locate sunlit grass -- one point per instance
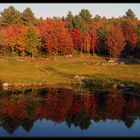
(63, 71)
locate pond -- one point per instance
(61, 112)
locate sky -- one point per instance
(61, 9)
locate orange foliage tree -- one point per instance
(16, 38)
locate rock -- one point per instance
(113, 64)
(39, 84)
(76, 76)
(114, 86)
(5, 84)
(122, 85)
(111, 61)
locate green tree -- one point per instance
(85, 15)
(41, 18)
(80, 24)
(10, 16)
(28, 17)
(130, 14)
(70, 20)
(97, 17)
(34, 41)
(83, 20)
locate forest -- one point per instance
(22, 34)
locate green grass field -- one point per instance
(65, 71)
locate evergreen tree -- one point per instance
(130, 14)
(97, 17)
(80, 24)
(28, 17)
(10, 16)
(41, 18)
(70, 20)
(34, 41)
(85, 15)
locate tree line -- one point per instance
(22, 34)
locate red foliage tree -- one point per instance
(87, 40)
(131, 37)
(94, 38)
(115, 41)
(55, 36)
(77, 39)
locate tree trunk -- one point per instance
(133, 52)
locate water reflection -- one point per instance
(23, 108)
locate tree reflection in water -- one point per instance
(23, 108)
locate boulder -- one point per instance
(5, 84)
(76, 76)
(122, 85)
(111, 61)
(114, 86)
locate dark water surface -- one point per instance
(65, 112)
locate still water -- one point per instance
(66, 112)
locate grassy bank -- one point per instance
(61, 71)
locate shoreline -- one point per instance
(88, 84)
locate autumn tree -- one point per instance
(94, 38)
(64, 40)
(115, 41)
(131, 38)
(3, 38)
(87, 42)
(77, 39)
(55, 37)
(16, 39)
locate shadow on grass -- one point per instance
(56, 72)
(111, 84)
(130, 61)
